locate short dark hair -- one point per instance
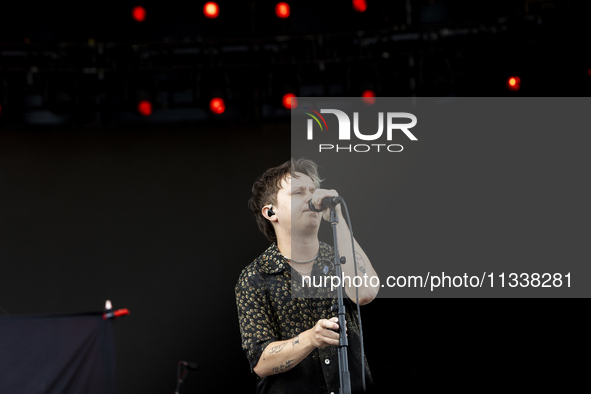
(265, 188)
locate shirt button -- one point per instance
(327, 361)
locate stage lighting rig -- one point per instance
(211, 10)
(217, 105)
(289, 101)
(138, 13)
(282, 10)
(514, 83)
(359, 5)
(368, 97)
(144, 108)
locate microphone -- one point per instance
(189, 366)
(327, 202)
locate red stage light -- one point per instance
(360, 5)
(289, 101)
(144, 107)
(282, 10)
(138, 13)
(211, 10)
(368, 97)
(217, 105)
(514, 83)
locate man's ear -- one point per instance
(268, 213)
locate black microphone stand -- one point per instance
(344, 375)
(181, 374)
(182, 370)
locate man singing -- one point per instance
(292, 343)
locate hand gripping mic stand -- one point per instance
(344, 374)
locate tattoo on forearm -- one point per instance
(289, 364)
(295, 340)
(360, 262)
(277, 348)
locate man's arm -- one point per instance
(365, 270)
(281, 356)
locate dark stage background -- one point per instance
(155, 219)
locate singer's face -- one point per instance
(293, 200)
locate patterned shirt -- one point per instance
(268, 313)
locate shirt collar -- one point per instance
(272, 261)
